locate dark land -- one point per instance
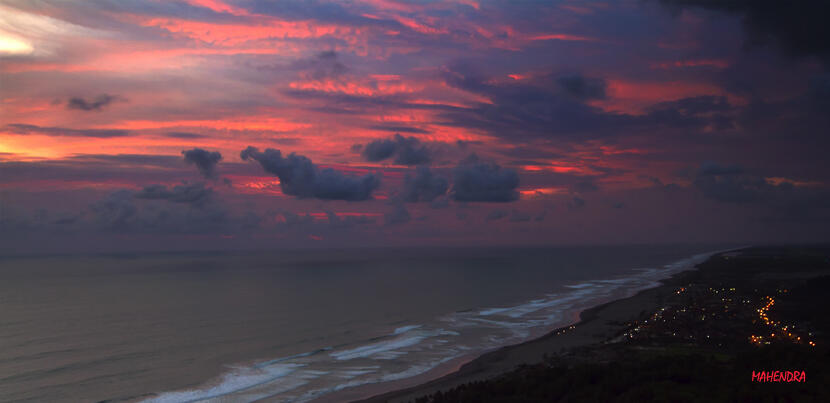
(699, 337)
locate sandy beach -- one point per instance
(595, 325)
(707, 317)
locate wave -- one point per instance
(414, 349)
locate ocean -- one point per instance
(289, 326)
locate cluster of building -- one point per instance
(715, 316)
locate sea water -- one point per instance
(289, 325)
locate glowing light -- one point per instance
(13, 46)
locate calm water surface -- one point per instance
(287, 326)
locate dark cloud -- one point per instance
(440, 202)
(407, 150)
(377, 150)
(19, 128)
(731, 185)
(321, 66)
(658, 184)
(402, 129)
(336, 221)
(799, 28)
(518, 216)
(205, 161)
(398, 215)
(581, 87)
(195, 194)
(537, 109)
(585, 186)
(713, 169)
(465, 143)
(424, 186)
(129, 168)
(291, 219)
(496, 215)
(782, 199)
(528, 109)
(184, 135)
(128, 159)
(300, 177)
(116, 210)
(461, 215)
(127, 211)
(706, 111)
(576, 202)
(95, 104)
(312, 10)
(476, 181)
(819, 89)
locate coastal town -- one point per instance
(749, 325)
(718, 317)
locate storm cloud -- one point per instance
(300, 177)
(423, 186)
(205, 161)
(406, 150)
(476, 181)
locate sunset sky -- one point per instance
(203, 124)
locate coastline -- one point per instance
(595, 325)
(297, 378)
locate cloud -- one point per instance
(195, 194)
(335, 221)
(475, 181)
(585, 186)
(496, 215)
(128, 211)
(402, 129)
(542, 107)
(518, 216)
(576, 202)
(713, 169)
(321, 66)
(116, 210)
(292, 219)
(424, 186)
(784, 199)
(300, 177)
(550, 106)
(407, 150)
(377, 150)
(799, 28)
(581, 87)
(205, 161)
(184, 135)
(20, 128)
(440, 202)
(691, 113)
(730, 184)
(95, 104)
(398, 215)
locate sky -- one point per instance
(140, 125)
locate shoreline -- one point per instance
(564, 307)
(594, 325)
